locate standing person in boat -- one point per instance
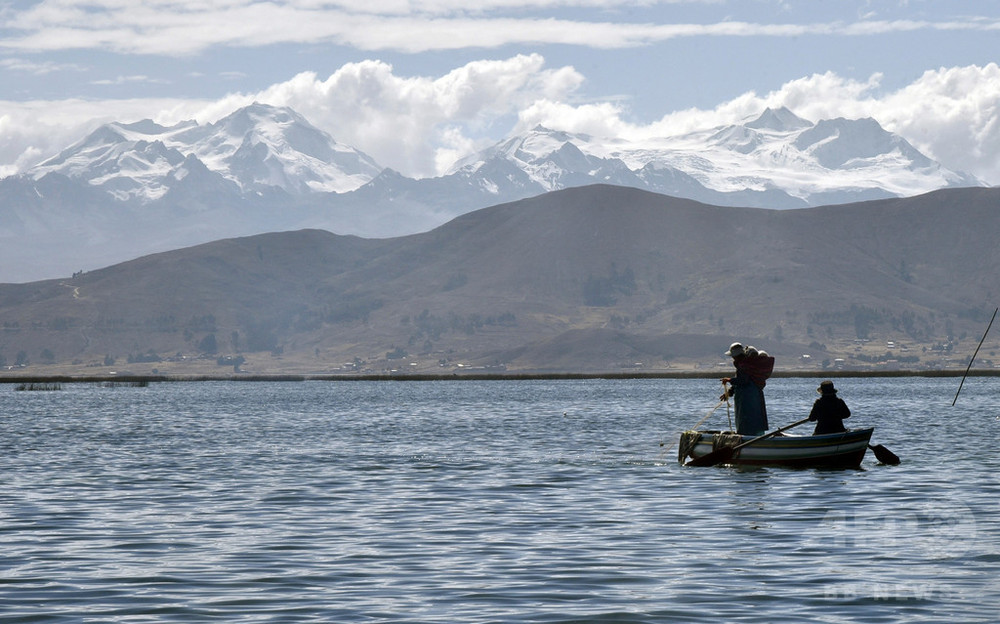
(829, 410)
(747, 388)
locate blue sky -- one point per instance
(419, 83)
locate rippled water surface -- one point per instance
(503, 501)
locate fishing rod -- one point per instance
(974, 356)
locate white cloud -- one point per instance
(412, 123)
(950, 114)
(419, 125)
(38, 68)
(600, 119)
(136, 78)
(33, 131)
(185, 27)
(953, 115)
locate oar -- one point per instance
(724, 454)
(884, 455)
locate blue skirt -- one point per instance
(751, 414)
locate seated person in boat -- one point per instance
(747, 388)
(829, 410)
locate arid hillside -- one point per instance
(598, 278)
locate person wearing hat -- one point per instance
(829, 410)
(747, 389)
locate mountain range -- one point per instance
(595, 278)
(129, 189)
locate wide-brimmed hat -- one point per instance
(826, 388)
(735, 350)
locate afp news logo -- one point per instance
(895, 592)
(928, 530)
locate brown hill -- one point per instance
(593, 278)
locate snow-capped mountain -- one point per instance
(776, 160)
(131, 189)
(258, 148)
(549, 159)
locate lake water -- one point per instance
(498, 501)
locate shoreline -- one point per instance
(523, 376)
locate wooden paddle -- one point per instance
(724, 454)
(884, 455)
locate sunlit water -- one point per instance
(504, 501)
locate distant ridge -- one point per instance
(598, 278)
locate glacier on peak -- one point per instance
(775, 153)
(774, 159)
(258, 146)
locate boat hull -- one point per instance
(833, 450)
